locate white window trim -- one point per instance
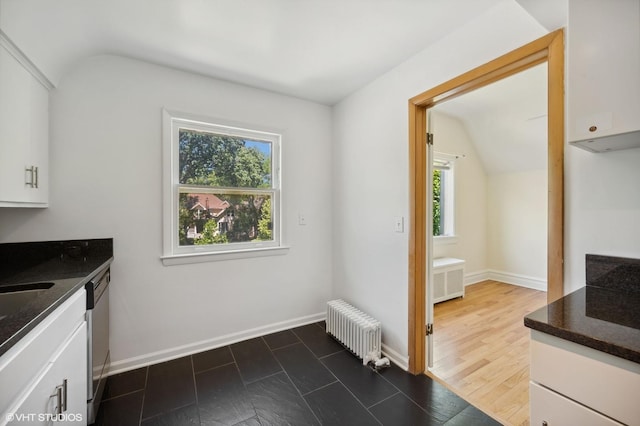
(173, 253)
(443, 240)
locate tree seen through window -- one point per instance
(224, 184)
(438, 203)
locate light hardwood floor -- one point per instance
(481, 348)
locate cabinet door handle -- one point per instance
(58, 396)
(64, 395)
(33, 182)
(61, 397)
(30, 182)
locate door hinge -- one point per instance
(429, 138)
(429, 329)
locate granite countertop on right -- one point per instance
(603, 315)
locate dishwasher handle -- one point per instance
(96, 287)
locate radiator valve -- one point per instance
(373, 359)
(382, 363)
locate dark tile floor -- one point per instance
(295, 377)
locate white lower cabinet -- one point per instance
(552, 409)
(572, 384)
(43, 377)
(59, 393)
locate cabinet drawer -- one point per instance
(597, 380)
(30, 356)
(552, 409)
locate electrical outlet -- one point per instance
(399, 224)
(302, 219)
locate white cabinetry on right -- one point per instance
(603, 51)
(24, 130)
(572, 384)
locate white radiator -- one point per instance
(357, 331)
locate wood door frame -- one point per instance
(550, 49)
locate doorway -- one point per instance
(549, 49)
(494, 141)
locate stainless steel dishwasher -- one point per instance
(98, 361)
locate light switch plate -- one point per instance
(399, 224)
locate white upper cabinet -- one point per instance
(604, 74)
(24, 130)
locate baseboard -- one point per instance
(395, 357)
(123, 365)
(476, 277)
(505, 277)
(519, 280)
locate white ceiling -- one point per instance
(320, 50)
(507, 121)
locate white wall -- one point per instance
(517, 226)
(602, 208)
(106, 182)
(501, 219)
(470, 197)
(371, 164)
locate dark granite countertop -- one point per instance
(69, 265)
(603, 315)
(604, 320)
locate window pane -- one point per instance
(213, 159)
(206, 219)
(438, 202)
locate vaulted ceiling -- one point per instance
(312, 49)
(507, 121)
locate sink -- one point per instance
(14, 297)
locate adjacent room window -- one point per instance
(223, 185)
(443, 198)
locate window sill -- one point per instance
(445, 240)
(184, 259)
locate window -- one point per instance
(222, 188)
(443, 197)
